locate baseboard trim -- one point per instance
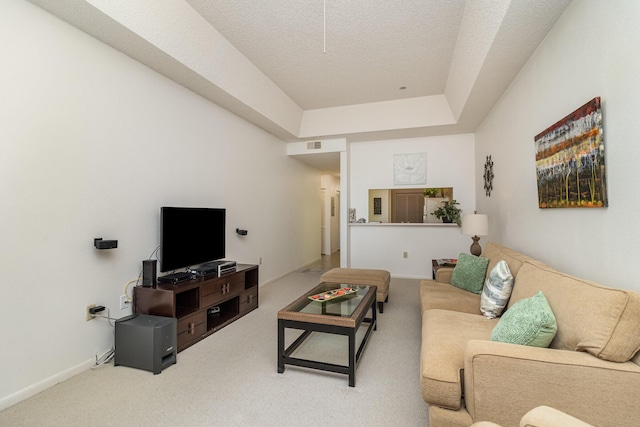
(265, 283)
(403, 276)
(41, 386)
(309, 263)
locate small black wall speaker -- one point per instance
(149, 272)
(99, 243)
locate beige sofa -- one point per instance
(590, 371)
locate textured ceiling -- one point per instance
(264, 60)
(372, 47)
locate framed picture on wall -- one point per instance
(570, 164)
(377, 205)
(410, 168)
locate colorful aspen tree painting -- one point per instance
(570, 161)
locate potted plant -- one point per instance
(431, 192)
(449, 212)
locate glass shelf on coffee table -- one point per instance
(342, 314)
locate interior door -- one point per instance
(408, 205)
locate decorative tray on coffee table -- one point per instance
(331, 295)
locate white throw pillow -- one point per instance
(496, 291)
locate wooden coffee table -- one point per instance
(341, 315)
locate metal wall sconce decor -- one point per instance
(488, 176)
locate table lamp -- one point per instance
(475, 225)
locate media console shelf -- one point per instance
(203, 305)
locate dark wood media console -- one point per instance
(203, 305)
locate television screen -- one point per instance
(191, 236)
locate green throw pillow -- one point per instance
(530, 321)
(469, 273)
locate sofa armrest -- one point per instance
(443, 274)
(505, 381)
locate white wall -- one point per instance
(381, 246)
(450, 163)
(591, 51)
(93, 144)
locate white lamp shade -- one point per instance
(475, 225)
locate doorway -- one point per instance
(330, 214)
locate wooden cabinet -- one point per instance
(203, 305)
(217, 291)
(249, 301)
(191, 329)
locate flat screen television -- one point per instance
(191, 236)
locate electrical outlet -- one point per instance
(89, 316)
(405, 254)
(124, 302)
(260, 261)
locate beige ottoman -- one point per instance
(362, 276)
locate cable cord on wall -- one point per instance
(108, 317)
(104, 359)
(108, 356)
(126, 288)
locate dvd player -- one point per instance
(204, 271)
(221, 267)
(174, 278)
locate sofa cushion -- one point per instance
(496, 291)
(444, 337)
(497, 253)
(593, 318)
(528, 322)
(444, 296)
(469, 273)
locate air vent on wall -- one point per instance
(314, 145)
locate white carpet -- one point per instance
(231, 379)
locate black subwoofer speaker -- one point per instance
(146, 342)
(149, 272)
